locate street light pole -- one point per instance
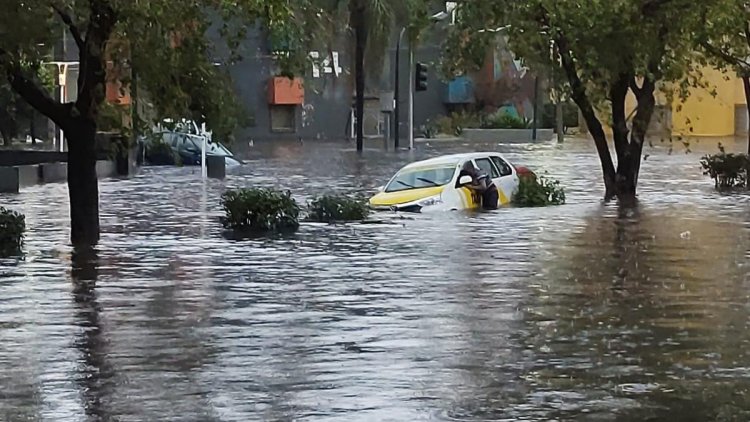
(536, 108)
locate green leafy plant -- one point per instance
(259, 210)
(12, 228)
(504, 120)
(538, 192)
(456, 122)
(429, 129)
(333, 208)
(728, 170)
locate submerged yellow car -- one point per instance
(433, 185)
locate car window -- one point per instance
(486, 166)
(504, 167)
(421, 178)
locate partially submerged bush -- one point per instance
(728, 170)
(504, 120)
(259, 210)
(12, 227)
(332, 208)
(538, 192)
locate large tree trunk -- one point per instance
(83, 186)
(559, 121)
(746, 84)
(624, 178)
(360, 31)
(646, 103)
(594, 125)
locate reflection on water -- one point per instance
(581, 312)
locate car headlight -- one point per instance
(434, 200)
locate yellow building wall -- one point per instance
(705, 114)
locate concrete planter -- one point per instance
(506, 135)
(13, 178)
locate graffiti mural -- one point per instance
(503, 83)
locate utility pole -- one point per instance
(536, 108)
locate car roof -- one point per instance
(452, 159)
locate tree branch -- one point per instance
(724, 55)
(634, 87)
(72, 27)
(618, 92)
(92, 73)
(35, 95)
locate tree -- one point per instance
(726, 40)
(606, 50)
(163, 40)
(372, 22)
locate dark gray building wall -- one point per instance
(326, 111)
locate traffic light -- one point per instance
(421, 77)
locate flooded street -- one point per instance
(579, 312)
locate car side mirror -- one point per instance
(465, 180)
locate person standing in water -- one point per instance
(482, 184)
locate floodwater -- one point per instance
(581, 312)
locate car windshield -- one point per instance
(425, 177)
(212, 148)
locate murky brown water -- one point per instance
(580, 312)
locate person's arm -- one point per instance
(479, 184)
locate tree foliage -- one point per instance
(725, 38)
(606, 50)
(165, 44)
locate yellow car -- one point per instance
(433, 185)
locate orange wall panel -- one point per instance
(285, 91)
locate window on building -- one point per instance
(283, 118)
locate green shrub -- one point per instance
(12, 227)
(259, 210)
(538, 192)
(445, 125)
(505, 120)
(332, 208)
(429, 129)
(728, 170)
(456, 122)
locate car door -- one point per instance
(508, 177)
(486, 166)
